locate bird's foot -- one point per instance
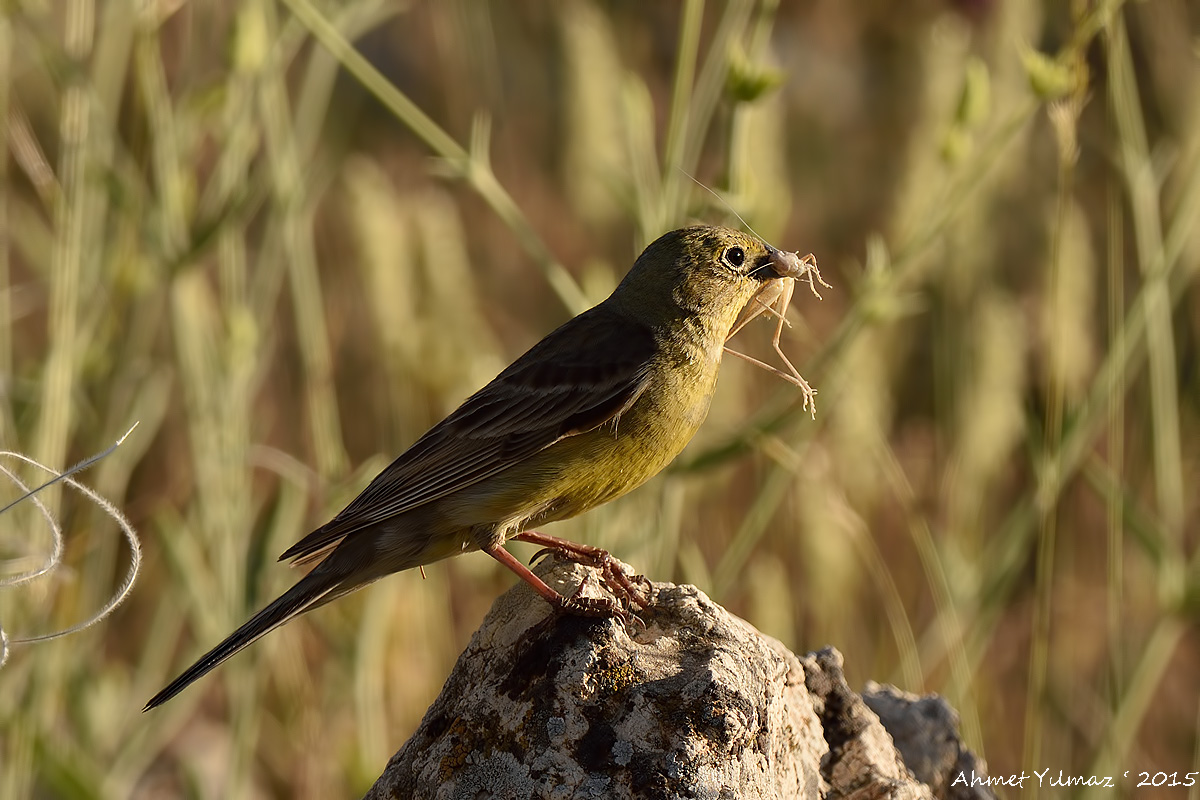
(618, 605)
(624, 586)
(575, 603)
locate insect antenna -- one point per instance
(724, 202)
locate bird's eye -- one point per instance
(735, 257)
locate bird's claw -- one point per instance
(617, 606)
(540, 554)
(613, 576)
(602, 607)
(627, 590)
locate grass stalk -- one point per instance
(1115, 437)
(8, 432)
(1142, 187)
(687, 50)
(1064, 117)
(471, 166)
(294, 218)
(72, 207)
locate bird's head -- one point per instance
(706, 273)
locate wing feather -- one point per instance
(579, 377)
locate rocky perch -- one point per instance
(699, 704)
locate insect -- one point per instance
(774, 298)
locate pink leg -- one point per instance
(614, 577)
(583, 606)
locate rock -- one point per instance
(862, 761)
(698, 704)
(925, 730)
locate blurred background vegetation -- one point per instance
(289, 236)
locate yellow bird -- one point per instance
(591, 412)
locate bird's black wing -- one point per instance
(582, 375)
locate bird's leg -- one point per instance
(582, 606)
(613, 575)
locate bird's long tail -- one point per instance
(315, 589)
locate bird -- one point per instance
(589, 413)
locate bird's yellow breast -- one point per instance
(582, 471)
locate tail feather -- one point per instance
(315, 589)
